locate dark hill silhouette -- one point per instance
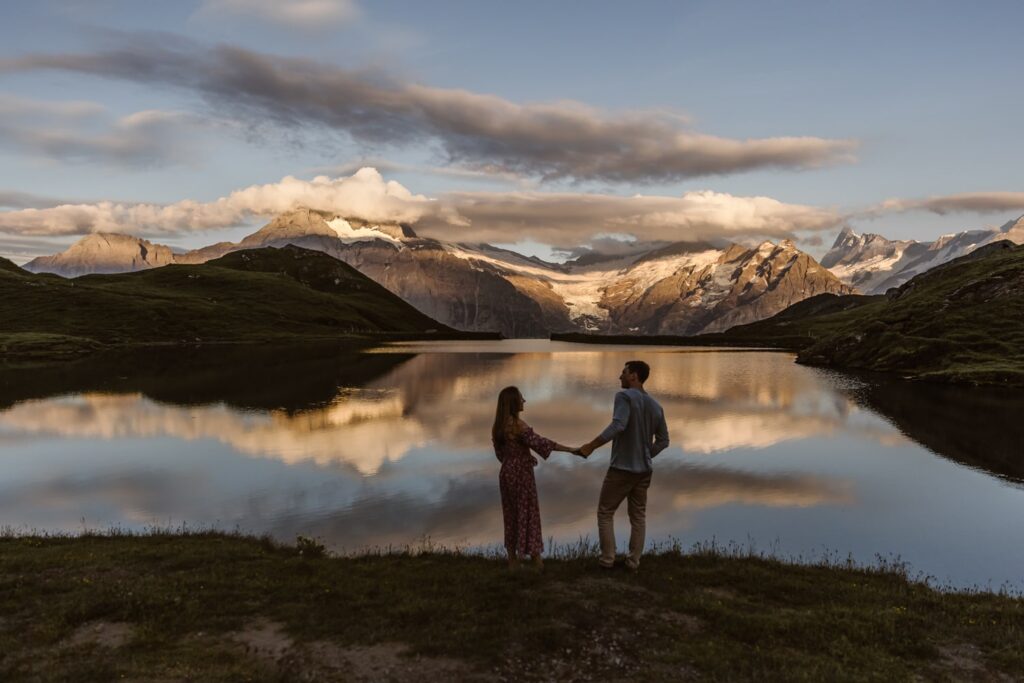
(283, 295)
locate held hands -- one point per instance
(583, 451)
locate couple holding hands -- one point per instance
(638, 432)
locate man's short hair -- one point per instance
(640, 369)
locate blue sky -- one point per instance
(906, 101)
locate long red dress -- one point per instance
(519, 505)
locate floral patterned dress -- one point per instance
(519, 505)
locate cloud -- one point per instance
(567, 219)
(12, 107)
(558, 219)
(467, 509)
(145, 138)
(482, 174)
(608, 246)
(448, 505)
(84, 132)
(560, 140)
(965, 202)
(365, 195)
(307, 15)
(10, 199)
(358, 432)
(21, 250)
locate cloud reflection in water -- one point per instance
(408, 454)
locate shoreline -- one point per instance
(715, 340)
(215, 606)
(44, 348)
(980, 375)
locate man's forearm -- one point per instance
(594, 443)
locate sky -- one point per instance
(552, 127)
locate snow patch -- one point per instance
(348, 234)
(880, 264)
(648, 273)
(582, 288)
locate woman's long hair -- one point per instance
(506, 416)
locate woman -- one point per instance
(513, 440)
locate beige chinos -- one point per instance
(619, 485)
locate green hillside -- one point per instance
(961, 321)
(266, 294)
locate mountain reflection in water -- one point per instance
(391, 446)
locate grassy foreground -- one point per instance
(210, 606)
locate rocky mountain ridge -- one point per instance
(104, 253)
(873, 264)
(684, 288)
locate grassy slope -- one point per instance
(186, 600)
(257, 295)
(962, 321)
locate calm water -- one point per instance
(392, 447)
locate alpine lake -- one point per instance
(389, 447)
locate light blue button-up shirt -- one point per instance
(638, 431)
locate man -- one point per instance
(638, 433)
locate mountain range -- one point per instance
(683, 288)
(873, 264)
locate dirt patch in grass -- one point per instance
(323, 660)
(109, 634)
(389, 662)
(618, 613)
(608, 654)
(643, 605)
(966, 662)
(686, 623)
(264, 639)
(721, 593)
(613, 583)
